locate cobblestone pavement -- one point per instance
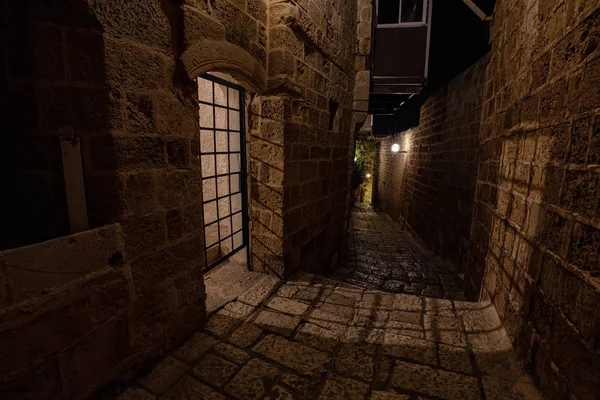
(318, 338)
(383, 256)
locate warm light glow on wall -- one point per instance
(395, 147)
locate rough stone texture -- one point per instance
(535, 218)
(384, 257)
(430, 188)
(120, 76)
(348, 360)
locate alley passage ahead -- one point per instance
(382, 256)
(312, 337)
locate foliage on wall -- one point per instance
(364, 163)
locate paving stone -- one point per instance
(357, 334)
(259, 291)
(370, 318)
(388, 395)
(277, 322)
(279, 393)
(214, 370)
(225, 283)
(329, 313)
(439, 307)
(287, 290)
(352, 361)
(302, 279)
(299, 385)
(439, 323)
(195, 347)
(376, 300)
(164, 375)
(135, 393)
(481, 321)
(312, 294)
(419, 350)
(406, 317)
(232, 353)
(237, 310)
(435, 382)
(298, 357)
(188, 388)
(344, 297)
(220, 324)
(454, 358)
(454, 338)
(324, 335)
(287, 306)
(246, 335)
(339, 388)
(254, 380)
(384, 257)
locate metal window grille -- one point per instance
(223, 168)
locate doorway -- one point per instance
(223, 168)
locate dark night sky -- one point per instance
(458, 39)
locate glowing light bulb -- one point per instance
(355, 158)
(368, 175)
(395, 147)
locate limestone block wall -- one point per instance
(120, 76)
(302, 128)
(66, 302)
(430, 188)
(109, 72)
(535, 230)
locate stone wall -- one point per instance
(303, 133)
(120, 76)
(430, 188)
(536, 236)
(109, 72)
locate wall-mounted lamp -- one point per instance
(368, 175)
(396, 148)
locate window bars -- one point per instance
(223, 169)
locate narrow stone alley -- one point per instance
(313, 337)
(383, 256)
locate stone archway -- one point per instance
(212, 55)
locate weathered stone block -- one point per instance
(21, 347)
(179, 187)
(33, 269)
(143, 234)
(144, 22)
(134, 66)
(178, 153)
(164, 375)
(151, 269)
(42, 382)
(85, 54)
(199, 25)
(141, 193)
(253, 381)
(584, 250)
(108, 346)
